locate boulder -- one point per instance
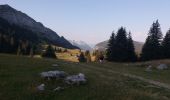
(53, 74)
(162, 67)
(55, 65)
(58, 88)
(76, 79)
(41, 87)
(149, 68)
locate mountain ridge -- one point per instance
(21, 19)
(81, 44)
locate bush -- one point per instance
(49, 53)
(82, 58)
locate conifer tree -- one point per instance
(31, 52)
(111, 50)
(19, 51)
(1, 42)
(88, 56)
(131, 49)
(81, 57)
(166, 45)
(152, 47)
(121, 43)
(49, 53)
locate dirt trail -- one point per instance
(156, 83)
(160, 84)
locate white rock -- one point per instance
(41, 87)
(53, 74)
(162, 67)
(149, 68)
(58, 88)
(76, 79)
(55, 65)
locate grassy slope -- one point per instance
(20, 75)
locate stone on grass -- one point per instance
(55, 65)
(53, 74)
(58, 88)
(149, 68)
(76, 79)
(162, 67)
(41, 87)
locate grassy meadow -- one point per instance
(19, 77)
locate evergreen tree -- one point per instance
(152, 47)
(31, 52)
(166, 45)
(131, 49)
(88, 56)
(121, 43)
(99, 55)
(1, 42)
(19, 51)
(81, 57)
(49, 53)
(110, 50)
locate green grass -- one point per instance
(19, 77)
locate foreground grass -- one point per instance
(19, 77)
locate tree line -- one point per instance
(121, 47)
(16, 40)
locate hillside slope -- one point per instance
(22, 20)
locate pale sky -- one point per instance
(93, 21)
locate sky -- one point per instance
(93, 21)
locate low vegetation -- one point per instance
(19, 77)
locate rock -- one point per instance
(76, 79)
(162, 67)
(55, 65)
(149, 68)
(58, 88)
(41, 87)
(53, 74)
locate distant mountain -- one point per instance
(92, 45)
(22, 20)
(81, 44)
(103, 46)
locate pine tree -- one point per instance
(131, 49)
(49, 53)
(1, 42)
(152, 47)
(88, 56)
(110, 50)
(166, 45)
(81, 57)
(121, 43)
(19, 51)
(31, 52)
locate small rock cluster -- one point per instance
(76, 79)
(68, 79)
(162, 67)
(53, 74)
(41, 87)
(159, 67)
(149, 68)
